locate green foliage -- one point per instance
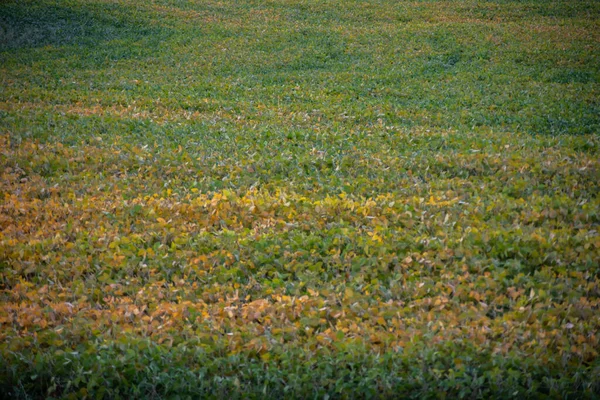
(299, 199)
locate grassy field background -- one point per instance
(299, 199)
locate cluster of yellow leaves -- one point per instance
(76, 260)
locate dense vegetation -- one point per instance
(294, 198)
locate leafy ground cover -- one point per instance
(337, 199)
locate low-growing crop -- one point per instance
(299, 199)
